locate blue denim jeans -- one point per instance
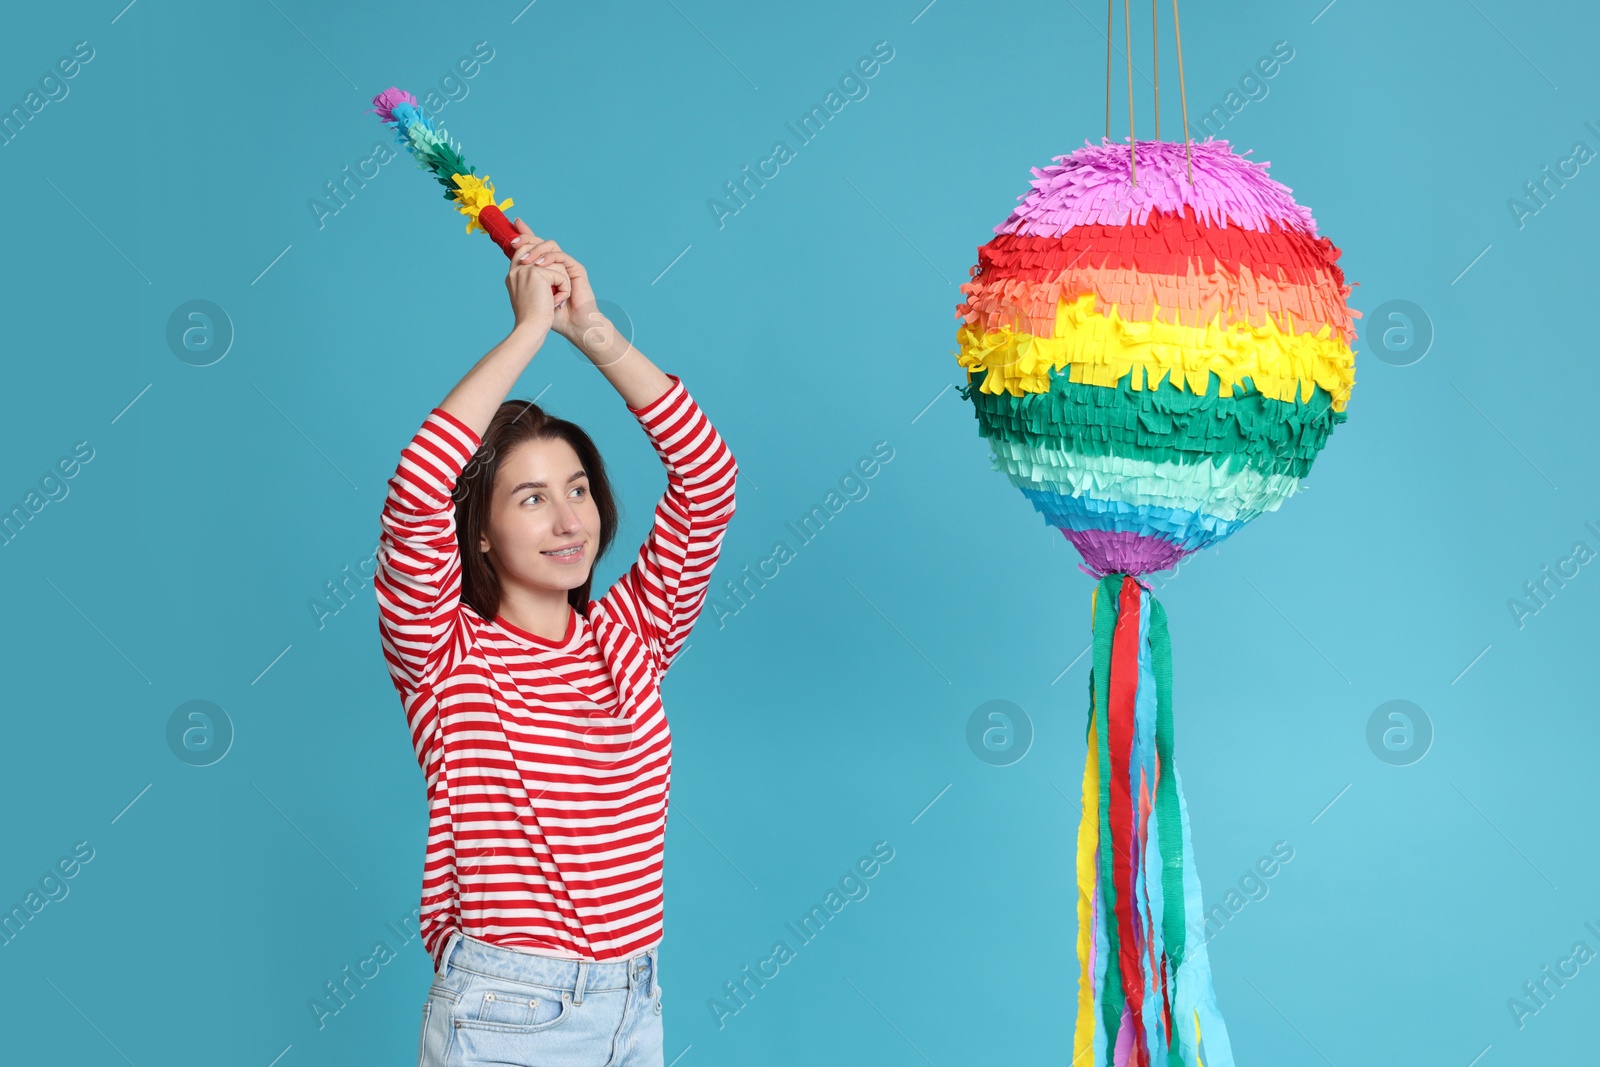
(492, 1005)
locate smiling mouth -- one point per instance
(565, 553)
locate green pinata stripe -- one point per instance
(1249, 431)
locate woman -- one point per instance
(535, 712)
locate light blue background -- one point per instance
(832, 709)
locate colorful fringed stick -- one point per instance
(439, 155)
(1153, 366)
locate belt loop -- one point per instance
(655, 971)
(577, 990)
(444, 957)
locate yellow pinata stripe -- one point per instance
(473, 195)
(1088, 837)
(1103, 349)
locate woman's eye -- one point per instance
(534, 496)
(579, 490)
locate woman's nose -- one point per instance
(567, 517)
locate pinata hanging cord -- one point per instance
(1183, 91)
(1183, 94)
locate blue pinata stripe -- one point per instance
(1190, 530)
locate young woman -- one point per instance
(535, 712)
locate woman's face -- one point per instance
(541, 504)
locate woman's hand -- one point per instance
(536, 288)
(578, 315)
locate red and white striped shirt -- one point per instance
(548, 763)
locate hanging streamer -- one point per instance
(1144, 987)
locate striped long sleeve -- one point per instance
(662, 593)
(419, 564)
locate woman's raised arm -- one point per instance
(419, 563)
(664, 590)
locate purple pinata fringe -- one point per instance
(1093, 186)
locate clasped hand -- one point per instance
(550, 290)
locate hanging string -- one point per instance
(1182, 92)
(1127, 48)
(1155, 47)
(1108, 69)
(1183, 88)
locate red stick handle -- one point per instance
(496, 225)
(494, 221)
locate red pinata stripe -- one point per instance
(1165, 244)
(1120, 714)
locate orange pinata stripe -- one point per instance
(1188, 299)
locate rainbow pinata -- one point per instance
(1154, 364)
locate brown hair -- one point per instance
(514, 422)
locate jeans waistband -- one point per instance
(577, 976)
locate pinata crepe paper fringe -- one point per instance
(1193, 299)
(1232, 433)
(1102, 349)
(1092, 186)
(1153, 365)
(1232, 497)
(1190, 271)
(1144, 989)
(438, 155)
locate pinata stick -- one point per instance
(497, 226)
(440, 156)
